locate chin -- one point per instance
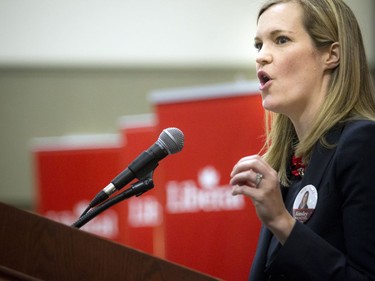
(268, 105)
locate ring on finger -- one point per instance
(258, 179)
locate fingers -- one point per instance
(247, 177)
(249, 171)
(243, 190)
(252, 174)
(254, 162)
(253, 177)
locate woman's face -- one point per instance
(289, 67)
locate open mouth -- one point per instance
(264, 78)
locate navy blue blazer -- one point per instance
(338, 241)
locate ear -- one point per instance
(332, 58)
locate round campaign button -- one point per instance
(305, 203)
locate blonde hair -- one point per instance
(350, 94)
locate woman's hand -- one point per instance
(264, 191)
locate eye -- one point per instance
(258, 45)
(281, 40)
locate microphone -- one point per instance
(170, 141)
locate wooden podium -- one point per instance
(35, 248)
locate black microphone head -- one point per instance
(172, 140)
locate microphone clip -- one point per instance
(136, 189)
(143, 185)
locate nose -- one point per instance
(263, 57)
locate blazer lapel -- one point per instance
(320, 158)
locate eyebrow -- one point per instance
(274, 33)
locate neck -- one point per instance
(301, 128)
(303, 119)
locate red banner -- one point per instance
(70, 171)
(205, 227)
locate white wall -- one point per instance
(138, 32)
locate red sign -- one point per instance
(70, 171)
(207, 228)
